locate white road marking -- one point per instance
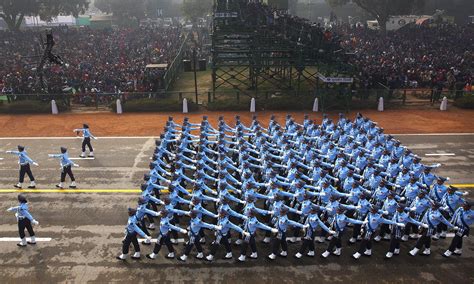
(88, 158)
(154, 240)
(440, 154)
(183, 240)
(73, 138)
(148, 137)
(28, 239)
(1, 159)
(433, 134)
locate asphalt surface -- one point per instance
(87, 228)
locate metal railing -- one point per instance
(175, 66)
(329, 99)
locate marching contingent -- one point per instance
(303, 183)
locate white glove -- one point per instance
(322, 194)
(425, 226)
(385, 212)
(34, 222)
(412, 209)
(332, 232)
(76, 165)
(299, 212)
(365, 222)
(358, 207)
(95, 138)
(274, 230)
(184, 231)
(455, 228)
(246, 234)
(8, 152)
(305, 226)
(35, 163)
(218, 228)
(465, 193)
(402, 199)
(148, 238)
(401, 225)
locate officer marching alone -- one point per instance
(24, 161)
(25, 220)
(66, 168)
(86, 140)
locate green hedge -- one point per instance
(465, 102)
(228, 105)
(29, 106)
(289, 103)
(153, 105)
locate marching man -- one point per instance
(131, 232)
(86, 140)
(463, 218)
(24, 161)
(66, 167)
(25, 220)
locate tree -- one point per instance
(194, 9)
(383, 9)
(123, 9)
(14, 11)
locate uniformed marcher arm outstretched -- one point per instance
(24, 161)
(86, 140)
(25, 220)
(66, 168)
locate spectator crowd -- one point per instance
(415, 56)
(102, 60)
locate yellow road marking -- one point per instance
(468, 185)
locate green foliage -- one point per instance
(227, 105)
(14, 11)
(289, 103)
(381, 10)
(465, 102)
(153, 105)
(29, 107)
(194, 9)
(123, 9)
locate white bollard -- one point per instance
(380, 106)
(252, 105)
(316, 105)
(444, 104)
(54, 107)
(119, 106)
(185, 105)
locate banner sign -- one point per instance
(335, 79)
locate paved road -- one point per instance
(459, 168)
(86, 229)
(120, 162)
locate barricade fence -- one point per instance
(328, 99)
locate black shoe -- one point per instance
(16, 186)
(145, 243)
(72, 186)
(118, 257)
(31, 243)
(31, 187)
(20, 245)
(133, 257)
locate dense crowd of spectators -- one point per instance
(415, 56)
(102, 60)
(112, 60)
